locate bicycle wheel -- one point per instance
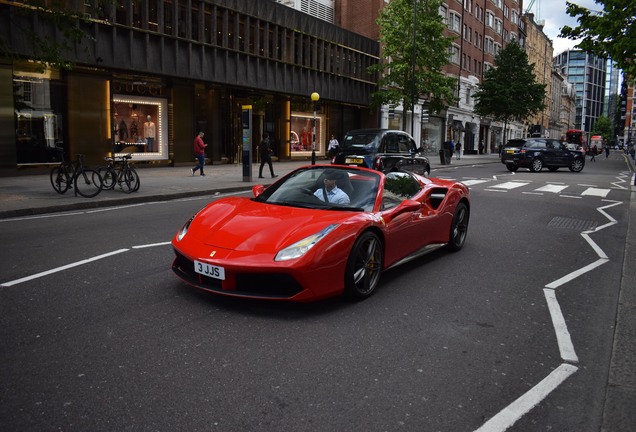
(109, 177)
(60, 179)
(126, 180)
(88, 183)
(137, 182)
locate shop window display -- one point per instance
(301, 139)
(138, 125)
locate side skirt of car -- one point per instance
(425, 250)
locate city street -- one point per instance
(99, 334)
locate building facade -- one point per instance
(587, 72)
(540, 52)
(186, 66)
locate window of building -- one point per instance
(455, 22)
(489, 45)
(498, 26)
(443, 12)
(454, 54)
(490, 19)
(515, 17)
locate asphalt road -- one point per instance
(98, 334)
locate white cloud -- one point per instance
(555, 17)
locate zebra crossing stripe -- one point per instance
(596, 192)
(552, 188)
(509, 185)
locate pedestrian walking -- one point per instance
(199, 153)
(607, 151)
(593, 152)
(333, 146)
(265, 150)
(458, 149)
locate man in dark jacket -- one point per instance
(265, 150)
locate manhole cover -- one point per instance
(572, 223)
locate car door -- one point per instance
(558, 156)
(409, 231)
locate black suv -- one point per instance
(384, 150)
(536, 153)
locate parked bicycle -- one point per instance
(72, 174)
(119, 171)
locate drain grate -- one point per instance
(571, 223)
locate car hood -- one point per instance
(242, 224)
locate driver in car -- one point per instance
(330, 192)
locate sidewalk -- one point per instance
(24, 195)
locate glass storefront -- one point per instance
(432, 135)
(39, 116)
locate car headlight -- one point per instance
(184, 229)
(301, 247)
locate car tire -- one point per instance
(512, 168)
(536, 165)
(364, 266)
(459, 227)
(576, 165)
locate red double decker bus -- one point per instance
(576, 136)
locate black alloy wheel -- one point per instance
(364, 266)
(459, 227)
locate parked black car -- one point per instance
(536, 153)
(384, 150)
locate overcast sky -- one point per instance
(555, 17)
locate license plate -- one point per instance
(354, 161)
(510, 151)
(209, 270)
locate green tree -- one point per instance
(407, 74)
(610, 33)
(603, 126)
(509, 89)
(44, 50)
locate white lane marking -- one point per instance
(509, 185)
(570, 196)
(64, 267)
(564, 341)
(473, 182)
(569, 277)
(596, 192)
(50, 215)
(552, 188)
(151, 245)
(513, 412)
(495, 190)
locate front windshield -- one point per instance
(367, 141)
(325, 187)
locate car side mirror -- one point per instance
(257, 190)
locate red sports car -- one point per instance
(320, 231)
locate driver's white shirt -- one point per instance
(335, 195)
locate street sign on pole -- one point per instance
(246, 120)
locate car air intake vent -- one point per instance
(437, 196)
(571, 223)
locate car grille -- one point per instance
(258, 285)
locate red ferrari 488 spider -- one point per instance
(320, 231)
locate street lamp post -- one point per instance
(315, 97)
